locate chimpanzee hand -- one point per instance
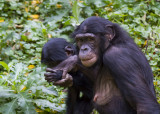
(67, 65)
(55, 76)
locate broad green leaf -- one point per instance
(44, 103)
(76, 10)
(9, 108)
(4, 65)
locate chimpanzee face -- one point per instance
(93, 37)
(88, 48)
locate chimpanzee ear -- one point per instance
(110, 32)
(69, 51)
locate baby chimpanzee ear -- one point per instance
(110, 32)
(69, 51)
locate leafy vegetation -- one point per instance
(26, 25)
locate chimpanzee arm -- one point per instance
(81, 82)
(72, 98)
(67, 65)
(127, 66)
(85, 87)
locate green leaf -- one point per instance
(89, 11)
(23, 37)
(9, 108)
(76, 10)
(6, 93)
(26, 103)
(1, 5)
(44, 104)
(138, 41)
(44, 31)
(27, 46)
(4, 65)
(44, 90)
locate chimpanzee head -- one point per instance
(92, 38)
(55, 51)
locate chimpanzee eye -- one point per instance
(90, 39)
(80, 39)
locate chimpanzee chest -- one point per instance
(105, 89)
(108, 97)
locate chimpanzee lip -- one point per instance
(88, 62)
(87, 59)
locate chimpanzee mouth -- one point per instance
(87, 59)
(88, 62)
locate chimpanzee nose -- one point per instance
(85, 48)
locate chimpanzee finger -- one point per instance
(50, 80)
(59, 82)
(67, 82)
(50, 74)
(64, 73)
(50, 70)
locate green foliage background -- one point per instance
(25, 25)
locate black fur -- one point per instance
(53, 51)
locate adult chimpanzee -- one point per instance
(55, 51)
(123, 78)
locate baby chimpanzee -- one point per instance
(55, 51)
